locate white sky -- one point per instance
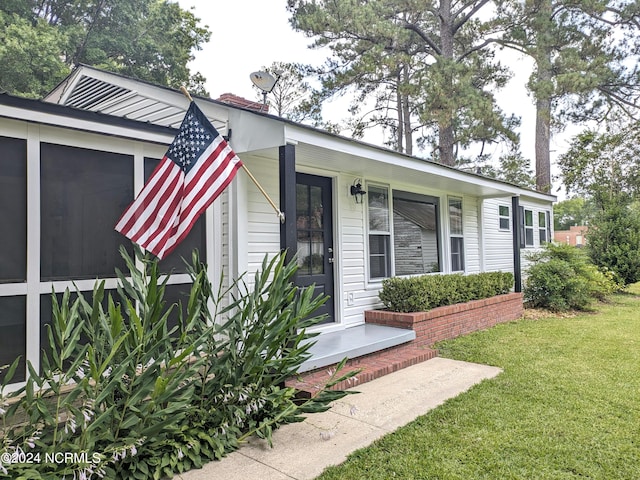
(250, 34)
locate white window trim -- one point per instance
(507, 217)
(456, 235)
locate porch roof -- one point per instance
(262, 134)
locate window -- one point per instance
(174, 263)
(455, 234)
(379, 232)
(13, 210)
(528, 228)
(84, 192)
(544, 227)
(403, 234)
(415, 234)
(504, 216)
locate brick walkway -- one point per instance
(373, 366)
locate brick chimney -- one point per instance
(237, 101)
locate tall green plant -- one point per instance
(132, 396)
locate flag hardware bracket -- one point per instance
(279, 213)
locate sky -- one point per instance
(250, 34)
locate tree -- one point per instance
(293, 97)
(150, 40)
(571, 212)
(583, 53)
(605, 167)
(29, 55)
(428, 61)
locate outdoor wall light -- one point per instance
(357, 191)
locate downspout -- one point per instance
(515, 229)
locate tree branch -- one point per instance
(424, 37)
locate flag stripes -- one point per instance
(196, 169)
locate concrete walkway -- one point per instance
(303, 450)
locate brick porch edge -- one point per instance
(441, 323)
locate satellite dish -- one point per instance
(263, 80)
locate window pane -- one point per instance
(13, 335)
(528, 218)
(504, 224)
(503, 211)
(455, 216)
(415, 236)
(378, 199)
(197, 238)
(457, 254)
(13, 210)
(379, 256)
(84, 193)
(528, 237)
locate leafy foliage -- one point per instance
(613, 241)
(140, 390)
(425, 65)
(151, 40)
(423, 293)
(570, 212)
(562, 278)
(605, 167)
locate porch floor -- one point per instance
(331, 348)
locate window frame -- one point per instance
(506, 217)
(458, 238)
(386, 235)
(528, 228)
(545, 227)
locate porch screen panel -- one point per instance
(84, 193)
(13, 210)
(196, 239)
(13, 334)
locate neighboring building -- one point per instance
(70, 165)
(575, 236)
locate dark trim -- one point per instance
(287, 159)
(78, 114)
(517, 264)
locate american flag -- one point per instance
(196, 169)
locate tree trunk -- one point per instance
(400, 112)
(543, 145)
(406, 114)
(544, 94)
(445, 123)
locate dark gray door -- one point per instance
(314, 233)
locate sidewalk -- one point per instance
(303, 450)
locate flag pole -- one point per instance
(279, 213)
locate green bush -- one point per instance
(562, 278)
(135, 397)
(419, 294)
(613, 242)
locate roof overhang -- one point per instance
(95, 90)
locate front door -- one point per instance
(314, 233)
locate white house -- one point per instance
(69, 166)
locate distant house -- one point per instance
(71, 164)
(575, 236)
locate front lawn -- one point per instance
(567, 406)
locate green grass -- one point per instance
(567, 406)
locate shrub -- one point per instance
(613, 242)
(562, 278)
(422, 293)
(143, 397)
